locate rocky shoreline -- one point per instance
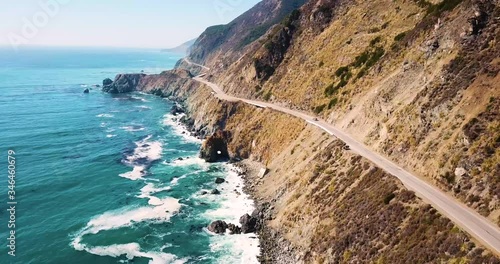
(274, 248)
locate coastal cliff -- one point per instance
(414, 80)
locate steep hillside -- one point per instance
(415, 80)
(225, 43)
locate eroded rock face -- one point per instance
(215, 147)
(248, 224)
(218, 227)
(123, 83)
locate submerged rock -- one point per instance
(86, 91)
(215, 147)
(218, 227)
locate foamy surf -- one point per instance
(179, 128)
(132, 128)
(136, 174)
(160, 213)
(105, 115)
(144, 154)
(233, 203)
(143, 107)
(139, 98)
(149, 189)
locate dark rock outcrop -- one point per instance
(107, 82)
(176, 109)
(123, 83)
(218, 227)
(248, 224)
(234, 229)
(219, 180)
(215, 147)
(215, 192)
(86, 91)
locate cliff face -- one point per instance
(414, 80)
(164, 84)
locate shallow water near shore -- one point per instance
(108, 178)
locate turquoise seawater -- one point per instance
(98, 176)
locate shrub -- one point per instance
(321, 63)
(268, 95)
(375, 41)
(329, 90)
(388, 198)
(400, 36)
(375, 56)
(341, 71)
(361, 73)
(318, 109)
(333, 103)
(360, 59)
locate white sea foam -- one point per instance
(122, 218)
(145, 152)
(149, 189)
(150, 150)
(139, 98)
(105, 115)
(143, 107)
(242, 248)
(233, 203)
(132, 128)
(110, 135)
(179, 128)
(189, 161)
(136, 174)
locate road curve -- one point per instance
(470, 221)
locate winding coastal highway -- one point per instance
(487, 233)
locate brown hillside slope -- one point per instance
(416, 81)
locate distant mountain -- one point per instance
(226, 42)
(184, 48)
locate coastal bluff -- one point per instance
(157, 84)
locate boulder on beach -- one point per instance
(218, 227)
(248, 224)
(234, 229)
(219, 180)
(214, 148)
(215, 192)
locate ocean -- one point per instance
(103, 178)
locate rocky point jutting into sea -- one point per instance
(415, 81)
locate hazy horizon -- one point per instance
(112, 24)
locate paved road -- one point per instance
(476, 225)
(196, 64)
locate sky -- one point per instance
(112, 23)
